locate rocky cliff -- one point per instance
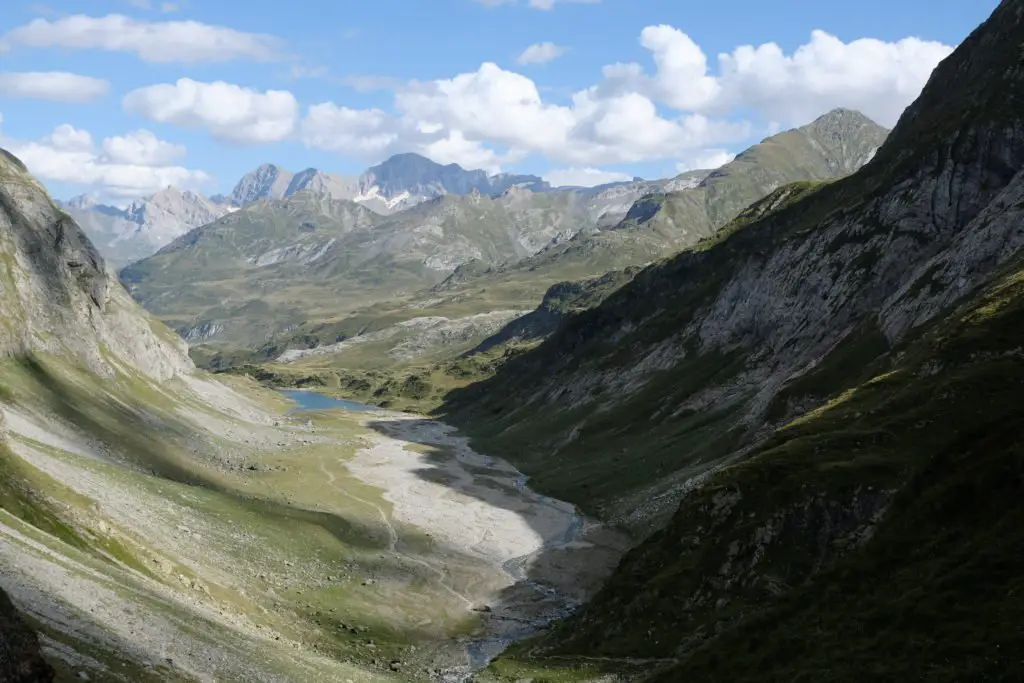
(57, 295)
(826, 389)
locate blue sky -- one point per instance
(664, 113)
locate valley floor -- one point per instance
(312, 546)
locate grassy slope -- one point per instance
(353, 297)
(784, 558)
(273, 535)
(637, 442)
(545, 410)
(877, 536)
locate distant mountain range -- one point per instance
(404, 180)
(145, 225)
(300, 250)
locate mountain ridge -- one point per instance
(808, 416)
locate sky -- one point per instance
(120, 98)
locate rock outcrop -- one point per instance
(20, 658)
(58, 296)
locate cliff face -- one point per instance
(812, 414)
(57, 295)
(20, 659)
(702, 355)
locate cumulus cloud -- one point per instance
(689, 109)
(58, 86)
(583, 177)
(541, 53)
(705, 159)
(363, 132)
(230, 112)
(875, 77)
(152, 41)
(124, 167)
(67, 138)
(142, 148)
(456, 149)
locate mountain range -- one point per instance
(789, 451)
(128, 234)
(401, 182)
(808, 415)
(281, 267)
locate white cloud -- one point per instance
(688, 110)
(228, 111)
(456, 149)
(68, 155)
(58, 86)
(682, 111)
(705, 159)
(682, 81)
(583, 177)
(153, 41)
(143, 148)
(67, 138)
(541, 53)
(875, 77)
(361, 132)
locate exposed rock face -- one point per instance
(58, 294)
(417, 176)
(146, 225)
(811, 405)
(266, 182)
(735, 320)
(20, 658)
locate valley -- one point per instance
(758, 423)
(278, 567)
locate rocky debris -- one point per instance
(20, 658)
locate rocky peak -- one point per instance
(324, 184)
(267, 181)
(82, 201)
(849, 138)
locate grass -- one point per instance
(874, 537)
(284, 521)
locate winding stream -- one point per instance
(496, 515)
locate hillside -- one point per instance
(666, 219)
(499, 255)
(817, 405)
(159, 526)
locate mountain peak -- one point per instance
(266, 180)
(842, 121)
(82, 201)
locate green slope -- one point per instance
(813, 416)
(282, 274)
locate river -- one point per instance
(493, 518)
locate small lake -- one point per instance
(311, 400)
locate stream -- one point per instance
(530, 604)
